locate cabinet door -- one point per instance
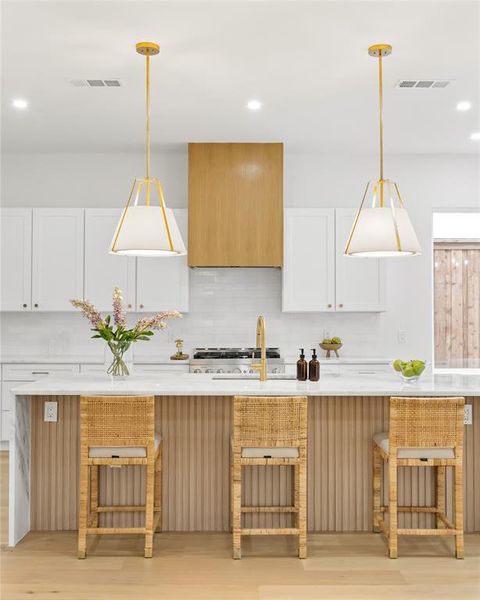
(309, 260)
(6, 404)
(104, 271)
(57, 274)
(16, 260)
(163, 283)
(360, 282)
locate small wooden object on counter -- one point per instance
(270, 431)
(331, 348)
(179, 354)
(423, 432)
(118, 431)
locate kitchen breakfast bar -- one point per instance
(193, 414)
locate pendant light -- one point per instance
(147, 229)
(382, 227)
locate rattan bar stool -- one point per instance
(270, 431)
(423, 432)
(118, 431)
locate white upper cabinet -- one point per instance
(309, 260)
(104, 271)
(360, 282)
(16, 259)
(317, 277)
(57, 274)
(163, 283)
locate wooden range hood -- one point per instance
(235, 205)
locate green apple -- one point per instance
(397, 364)
(326, 341)
(408, 372)
(336, 340)
(418, 366)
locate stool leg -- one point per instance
(158, 490)
(82, 517)
(392, 508)
(231, 490)
(377, 474)
(440, 494)
(296, 495)
(94, 494)
(302, 508)
(237, 506)
(459, 545)
(149, 509)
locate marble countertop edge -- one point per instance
(203, 385)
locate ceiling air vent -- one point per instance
(424, 84)
(95, 82)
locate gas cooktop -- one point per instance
(235, 353)
(233, 360)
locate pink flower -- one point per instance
(118, 309)
(90, 312)
(158, 321)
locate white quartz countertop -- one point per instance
(91, 360)
(190, 384)
(61, 359)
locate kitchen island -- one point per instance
(193, 414)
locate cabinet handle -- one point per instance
(129, 305)
(24, 305)
(141, 305)
(340, 306)
(35, 305)
(40, 372)
(329, 306)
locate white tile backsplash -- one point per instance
(224, 305)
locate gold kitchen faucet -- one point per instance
(261, 366)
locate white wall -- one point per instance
(225, 302)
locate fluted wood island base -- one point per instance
(196, 488)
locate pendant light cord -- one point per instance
(147, 79)
(380, 90)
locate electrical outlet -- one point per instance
(402, 336)
(468, 414)
(50, 412)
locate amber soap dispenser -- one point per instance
(302, 366)
(314, 367)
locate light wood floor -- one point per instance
(198, 566)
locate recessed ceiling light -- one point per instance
(19, 103)
(464, 105)
(254, 104)
(475, 136)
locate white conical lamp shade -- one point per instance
(147, 231)
(382, 227)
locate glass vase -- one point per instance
(118, 360)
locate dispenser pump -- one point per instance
(314, 367)
(302, 367)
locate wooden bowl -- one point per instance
(330, 348)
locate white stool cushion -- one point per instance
(122, 451)
(269, 452)
(381, 439)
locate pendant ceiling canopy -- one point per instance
(146, 228)
(382, 227)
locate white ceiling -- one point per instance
(306, 61)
